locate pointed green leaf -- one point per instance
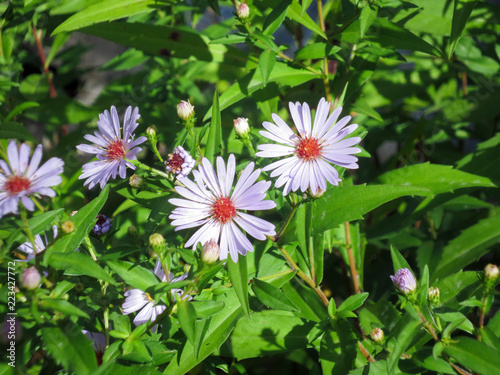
(17, 110)
(69, 347)
(62, 306)
(78, 264)
(15, 130)
(266, 64)
(398, 261)
(404, 332)
(187, 319)
(238, 275)
(475, 355)
(316, 51)
(276, 17)
(461, 12)
(353, 302)
(271, 296)
(135, 275)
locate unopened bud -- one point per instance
(151, 131)
(31, 278)
(186, 268)
(135, 181)
(377, 335)
(68, 227)
(185, 110)
(241, 127)
(103, 225)
(404, 281)
(433, 295)
(157, 242)
(210, 252)
(243, 11)
(491, 272)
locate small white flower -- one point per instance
(179, 162)
(311, 152)
(20, 178)
(111, 149)
(219, 211)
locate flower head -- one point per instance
(102, 226)
(311, 152)
(212, 204)
(111, 148)
(179, 162)
(404, 281)
(21, 178)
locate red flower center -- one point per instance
(308, 149)
(16, 184)
(115, 150)
(174, 162)
(223, 210)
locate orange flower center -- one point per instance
(308, 149)
(223, 210)
(115, 150)
(16, 184)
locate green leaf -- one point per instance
(214, 140)
(475, 355)
(266, 64)
(437, 178)
(205, 309)
(69, 347)
(316, 51)
(267, 333)
(306, 300)
(230, 39)
(187, 318)
(317, 252)
(37, 224)
(348, 203)
(107, 10)
(78, 264)
(58, 43)
(282, 74)
(461, 12)
(366, 19)
(470, 245)
(219, 328)
(398, 261)
(353, 302)
(296, 14)
(271, 296)
(15, 130)
(62, 306)
(133, 274)
(276, 17)
(19, 109)
(84, 220)
(393, 36)
(238, 274)
(35, 87)
(404, 332)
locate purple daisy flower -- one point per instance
(110, 148)
(312, 151)
(21, 178)
(103, 225)
(218, 210)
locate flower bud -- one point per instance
(151, 131)
(243, 11)
(157, 242)
(404, 281)
(135, 181)
(433, 295)
(103, 225)
(30, 278)
(68, 227)
(377, 335)
(210, 252)
(491, 272)
(185, 110)
(241, 127)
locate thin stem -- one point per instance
(352, 260)
(427, 325)
(148, 168)
(303, 276)
(90, 247)
(326, 79)
(287, 221)
(365, 352)
(27, 229)
(42, 58)
(248, 143)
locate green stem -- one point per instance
(249, 145)
(91, 248)
(157, 153)
(27, 230)
(427, 325)
(148, 168)
(326, 79)
(303, 276)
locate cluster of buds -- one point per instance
(102, 226)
